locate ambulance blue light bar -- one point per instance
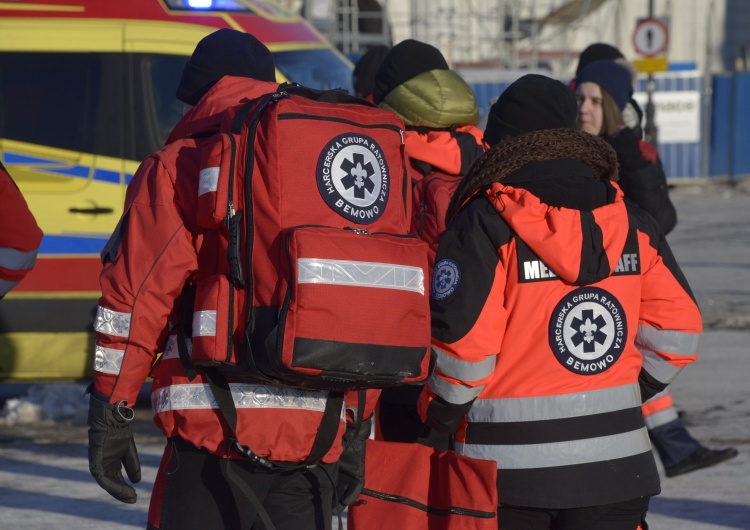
(209, 5)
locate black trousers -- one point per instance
(628, 515)
(191, 492)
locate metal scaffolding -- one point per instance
(509, 34)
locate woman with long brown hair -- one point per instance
(603, 89)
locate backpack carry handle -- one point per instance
(334, 95)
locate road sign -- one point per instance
(650, 37)
(649, 65)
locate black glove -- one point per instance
(628, 150)
(111, 446)
(351, 477)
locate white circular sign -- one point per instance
(650, 37)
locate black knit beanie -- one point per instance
(406, 60)
(363, 76)
(612, 77)
(531, 103)
(224, 52)
(597, 52)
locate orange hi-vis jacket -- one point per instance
(20, 236)
(438, 161)
(551, 326)
(152, 253)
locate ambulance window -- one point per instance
(165, 76)
(49, 98)
(318, 69)
(157, 108)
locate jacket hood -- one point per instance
(438, 99)
(450, 152)
(554, 189)
(207, 115)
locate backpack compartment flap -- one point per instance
(421, 488)
(356, 306)
(216, 177)
(213, 320)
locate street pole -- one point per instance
(649, 130)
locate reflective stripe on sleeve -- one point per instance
(17, 260)
(504, 410)
(463, 370)
(571, 452)
(112, 323)
(204, 324)
(668, 341)
(456, 394)
(361, 274)
(208, 180)
(245, 396)
(658, 368)
(657, 419)
(108, 360)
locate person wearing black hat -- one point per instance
(603, 90)
(150, 258)
(551, 300)
(365, 70)
(531, 103)
(440, 113)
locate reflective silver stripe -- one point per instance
(204, 324)
(538, 408)
(171, 351)
(6, 286)
(112, 322)
(17, 260)
(245, 396)
(361, 274)
(556, 454)
(657, 367)
(668, 341)
(660, 418)
(208, 181)
(463, 370)
(456, 394)
(108, 360)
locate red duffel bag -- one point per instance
(412, 486)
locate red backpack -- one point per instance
(308, 276)
(432, 196)
(410, 485)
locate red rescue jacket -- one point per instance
(147, 261)
(20, 236)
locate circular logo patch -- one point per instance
(445, 278)
(588, 330)
(353, 177)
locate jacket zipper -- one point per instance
(432, 511)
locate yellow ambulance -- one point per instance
(87, 91)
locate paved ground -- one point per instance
(44, 478)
